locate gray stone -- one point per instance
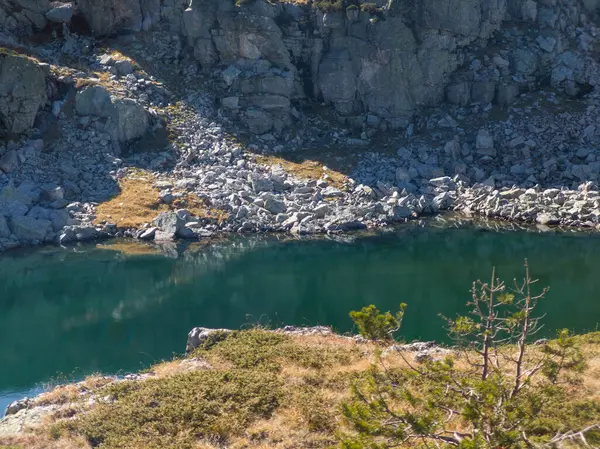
(443, 182)
(168, 224)
(546, 219)
(529, 10)
(275, 206)
(59, 219)
(260, 183)
(28, 229)
(321, 211)
(130, 119)
(400, 212)
(258, 121)
(230, 74)
(62, 13)
(199, 336)
(94, 100)
(333, 20)
(231, 102)
(485, 143)
(16, 406)
(332, 192)
(9, 161)
(124, 67)
(506, 94)
(525, 62)
(546, 43)
(107, 17)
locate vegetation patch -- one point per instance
(138, 203)
(176, 411)
(306, 169)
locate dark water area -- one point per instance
(69, 312)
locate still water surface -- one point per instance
(66, 313)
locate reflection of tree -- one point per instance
(97, 310)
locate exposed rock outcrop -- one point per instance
(128, 119)
(22, 92)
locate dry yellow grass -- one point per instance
(60, 395)
(306, 169)
(138, 203)
(42, 441)
(315, 373)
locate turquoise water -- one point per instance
(69, 312)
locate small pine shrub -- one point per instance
(374, 325)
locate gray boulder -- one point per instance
(107, 17)
(16, 406)
(274, 206)
(130, 119)
(124, 67)
(94, 100)
(62, 13)
(28, 229)
(9, 161)
(22, 92)
(78, 233)
(260, 183)
(200, 335)
(168, 224)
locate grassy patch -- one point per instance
(176, 411)
(138, 203)
(306, 169)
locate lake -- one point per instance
(120, 307)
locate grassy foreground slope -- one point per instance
(261, 389)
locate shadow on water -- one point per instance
(91, 310)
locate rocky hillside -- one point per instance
(115, 111)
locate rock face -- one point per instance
(23, 16)
(107, 17)
(387, 68)
(22, 93)
(376, 67)
(128, 119)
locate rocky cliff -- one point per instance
(376, 64)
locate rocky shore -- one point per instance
(180, 130)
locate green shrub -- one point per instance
(172, 413)
(374, 325)
(510, 395)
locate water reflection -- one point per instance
(88, 310)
